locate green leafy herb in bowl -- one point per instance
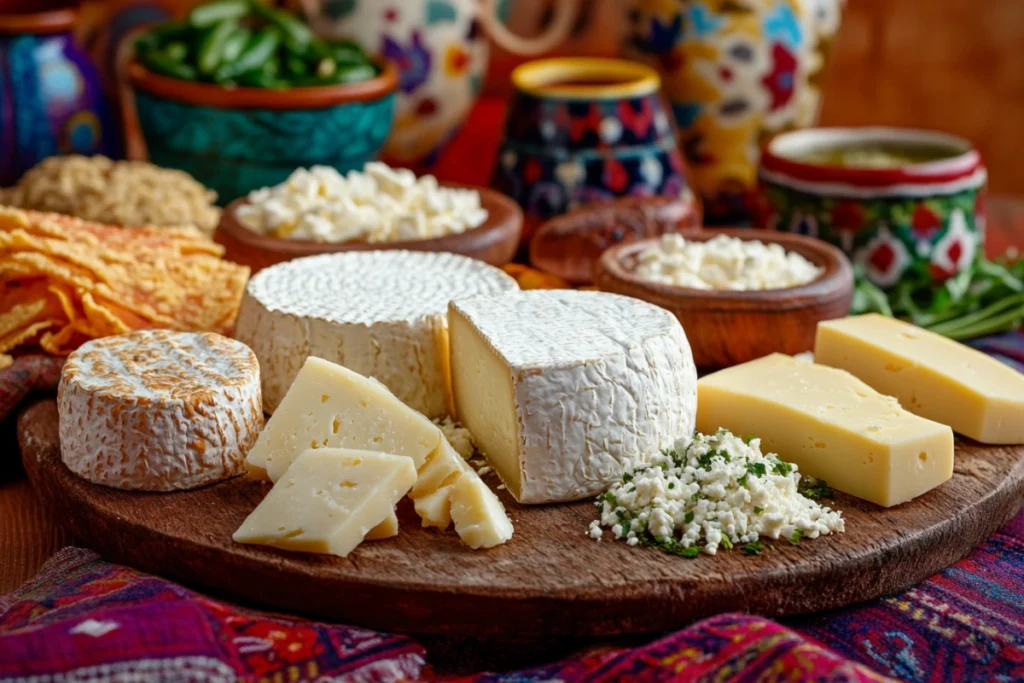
(247, 43)
(985, 298)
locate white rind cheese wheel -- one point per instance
(561, 388)
(158, 410)
(379, 313)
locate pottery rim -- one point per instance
(588, 78)
(315, 97)
(37, 16)
(781, 162)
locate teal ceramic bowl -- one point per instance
(234, 140)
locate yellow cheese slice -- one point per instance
(932, 376)
(329, 406)
(386, 529)
(831, 425)
(479, 517)
(328, 500)
(448, 490)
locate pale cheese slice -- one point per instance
(831, 425)
(932, 376)
(329, 406)
(386, 529)
(448, 490)
(479, 517)
(328, 500)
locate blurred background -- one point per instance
(951, 65)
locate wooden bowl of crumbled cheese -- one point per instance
(318, 210)
(740, 294)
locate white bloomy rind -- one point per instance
(379, 313)
(158, 410)
(596, 379)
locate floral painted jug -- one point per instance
(441, 48)
(735, 72)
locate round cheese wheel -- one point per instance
(158, 410)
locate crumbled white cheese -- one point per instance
(484, 470)
(458, 436)
(711, 492)
(724, 263)
(379, 204)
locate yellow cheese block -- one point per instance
(329, 406)
(930, 375)
(328, 500)
(831, 425)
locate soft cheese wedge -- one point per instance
(329, 500)
(560, 388)
(932, 376)
(329, 406)
(831, 425)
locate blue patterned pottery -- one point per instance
(51, 101)
(582, 130)
(234, 140)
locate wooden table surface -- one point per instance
(28, 536)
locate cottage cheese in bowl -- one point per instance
(377, 204)
(724, 263)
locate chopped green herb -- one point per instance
(815, 489)
(754, 548)
(627, 477)
(782, 468)
(795, 538)
(671, 484)
(742, 481)
(758, 510)
(726, 543)
(756, 468)
(748, 438)
(688, 518)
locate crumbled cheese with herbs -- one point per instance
(712, 492)
(724, 263)
(457, 435)
(378, 204)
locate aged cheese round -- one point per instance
(158, 410)
(379, 313)
(561, 388)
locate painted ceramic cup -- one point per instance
(919, 215)
(51, 99)
(441, 49)
(582, 130)
(736, 72)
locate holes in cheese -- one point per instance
(329, 406)
(831, 425)
(358, 413)
(930, 375)
(329, 500)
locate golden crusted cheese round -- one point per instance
(158, 410)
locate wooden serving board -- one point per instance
(549, 580)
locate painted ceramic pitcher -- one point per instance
(736, 72)
(51, 100)
(441, 48)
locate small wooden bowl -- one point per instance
(570, 245)
(725, 327)
(494, 242)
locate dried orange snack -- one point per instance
(65, 281)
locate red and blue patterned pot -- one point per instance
(51, 99)
(582, 130)
(919, 220)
